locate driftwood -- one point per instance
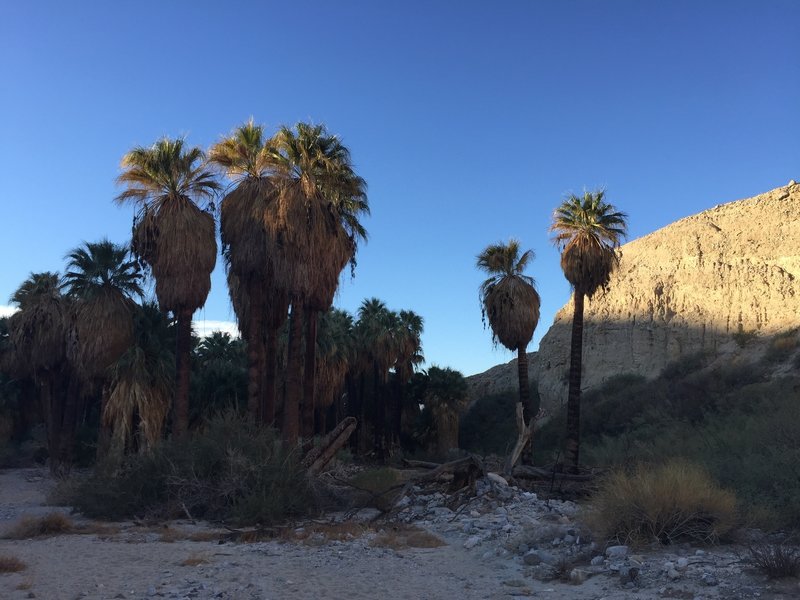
(320, 456)
(525, 472)
(525, 433)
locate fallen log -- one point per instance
(526, 472)
(321, 455)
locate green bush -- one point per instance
(673, 502)
(490, 425)
(230, 470)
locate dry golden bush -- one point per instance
(195, 559)
(669, 503)
(399, 538)
(11, 564)
(54, 523)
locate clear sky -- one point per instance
(470, 121)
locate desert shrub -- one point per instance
(776, 561)
(672, 502)
(489, 426)
(781, 347)
(231, 469)
(742, 337)
(54, 523)
(11, 564)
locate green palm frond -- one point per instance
(165, 171)
(101, 265)
(588, 230)
(45, 285)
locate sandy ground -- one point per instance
(134, 562)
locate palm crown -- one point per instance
(588, 230)
(102, 265)
(165, 171)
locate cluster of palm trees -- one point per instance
(587, 230)
(289, 224)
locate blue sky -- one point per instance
(469, 120)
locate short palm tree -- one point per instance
(168, 183)
(37, 336)
(511, 303)
(587, 230)
(101, 278)
(142, 382)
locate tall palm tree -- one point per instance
(175, 237)
(587, 231)
(316, 217)
(511, 304)
(248, 252)
(38, 340)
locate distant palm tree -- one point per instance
(175, 238)
(248, 252)
(336, 353)
(316, 216)
(511, 304)
(37, 336)
(587, 231)
(445, 396)
(408, 336)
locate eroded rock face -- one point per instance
(686, 288)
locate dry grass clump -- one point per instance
(673, 502)
(195, 559)
(776, 561)
(11, 564)
(399, 538)
(54, 523)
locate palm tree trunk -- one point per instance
(574, 396)
(309, 375)
(291, 403)
(525, 396)
(180, 416)
(254, 350)
(380, 416)
(70, 419)
(270, 358)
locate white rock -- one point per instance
(497, 479)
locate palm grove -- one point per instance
(87, 347)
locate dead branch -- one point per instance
(320, 456)
(525, 433)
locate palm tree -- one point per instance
(408, 336)
(445, 396)
(142, 382)
(587, 231)
(336, 352)
(376, 339)
(175, 237)
(37, 335)
(316, 218)
(248, 252)
(511, 304)
(101, 280)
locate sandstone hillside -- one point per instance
(688, 287)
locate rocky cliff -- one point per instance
(685, 288)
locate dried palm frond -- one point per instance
(178, 243)
(101, 332)
(512, 308)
